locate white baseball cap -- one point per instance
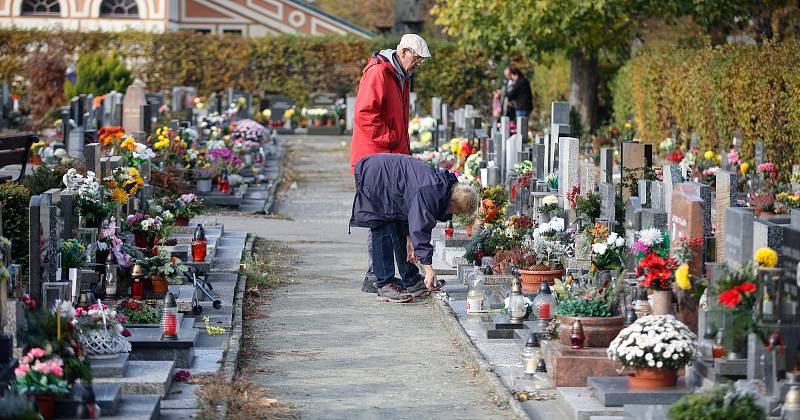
(414, 43)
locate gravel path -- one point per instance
(329, 349)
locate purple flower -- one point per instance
(639, 246)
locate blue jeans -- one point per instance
(519, 113)
(388, 246)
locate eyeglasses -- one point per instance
(418, 60)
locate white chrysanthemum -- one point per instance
(599, 249)
(651, 237)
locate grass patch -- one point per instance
(245, 401)
(266, 267)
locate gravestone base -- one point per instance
(579, 403)
(570, 368)
(110, 368)
(613, 391)
(144, 377)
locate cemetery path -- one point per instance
(329, 349)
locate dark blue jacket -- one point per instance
(400, 188)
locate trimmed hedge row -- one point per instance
(715, 91)
(291, 65)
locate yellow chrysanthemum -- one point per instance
(719, 159)
(119, 196)
(628, 126)
(766, 257)
(129, 144)
(744, 167)
(133, 171)
(682, 277)
(709, 155)
(161, 144)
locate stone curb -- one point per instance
(230, 359)
(474, 356)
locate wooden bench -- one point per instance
(14, 150)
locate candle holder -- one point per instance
(199, 244)
(516, 302)
(112, 276)
(137, 288)
(578, 337)
(169, 318)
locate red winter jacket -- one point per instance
(381, 112)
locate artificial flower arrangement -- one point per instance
(102, 330)
(734, 295)
(589, 298)
(654, 341)
(552, 181)
(493, 202)
(89, 204)
(145, 228)
(549, 205)
(169, 145)
(247, 129)
(607, 249)
(225, 159)
(763, 200)
(547, 248)
(41, 372)
(163, 265)
(109, 241)
(705, 169)
(523, 181)
(420, 130)
(110, 136)
(123, 183)
(136, 312)
(188, 206)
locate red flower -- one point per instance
(675, 156)
(746, 287)
(730, 298)
(126, 332)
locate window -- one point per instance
(41, 7)
(119, 8)
(231, 31)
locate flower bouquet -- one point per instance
(656, 346)
(123, 183)
(734, 296)
(102, 331)
(607, 249)
(145, 228)
(90, 205)
(135, 153)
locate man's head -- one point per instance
(464, 200)
(411, 52)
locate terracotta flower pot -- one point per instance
(331, 122)
(317, 123)
(47, 405)
(181, 221)
(531, 280)
(599, 331)
(662, 302)
(159, 284)
(653, 378)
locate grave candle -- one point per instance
(199, 244)
(448, 231)
(169, 318)
(224, 184)
(544, 302)
(516, 302)
(531, 354)
(577, 338)
(137, 288)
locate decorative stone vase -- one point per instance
(662, 302)
(46, 404)
(532, 279)
(599, 331)
(102, 345)
(160, 284)
(181, 221)
(204, 185)
(653, 378)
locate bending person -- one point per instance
(400, 199)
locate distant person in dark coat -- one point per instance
(519, 94)
(401, 199)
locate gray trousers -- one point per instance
(370, 274)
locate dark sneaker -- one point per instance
(368, 286)
(417, 289)
(392, 293)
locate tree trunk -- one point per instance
(584, 75)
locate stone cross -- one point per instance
(607, 164)
(726, 191)
(587, 178)
(132, 108)
(568, 161)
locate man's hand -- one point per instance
(430, 277)
(411, 255)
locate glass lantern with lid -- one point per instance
(544, 305)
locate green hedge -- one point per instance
(714, 91)
(295, 66)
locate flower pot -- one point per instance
(98, 344)
(763, 213)
(36, 159)
(653, 378)
(599, 331)
(531, 280)
(159, 283)
(331, 122)
(204, 185)
(662, 302)
(317, 123)
(181, 221)
(46, 404)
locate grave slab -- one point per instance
(144, 377)
(569, 368)
(110, 368)
(614, 391)
(138, 407)
(578, 403)
(107, 396)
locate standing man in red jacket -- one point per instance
(381, 111)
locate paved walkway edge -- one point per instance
(230, 360)
(473, 355)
